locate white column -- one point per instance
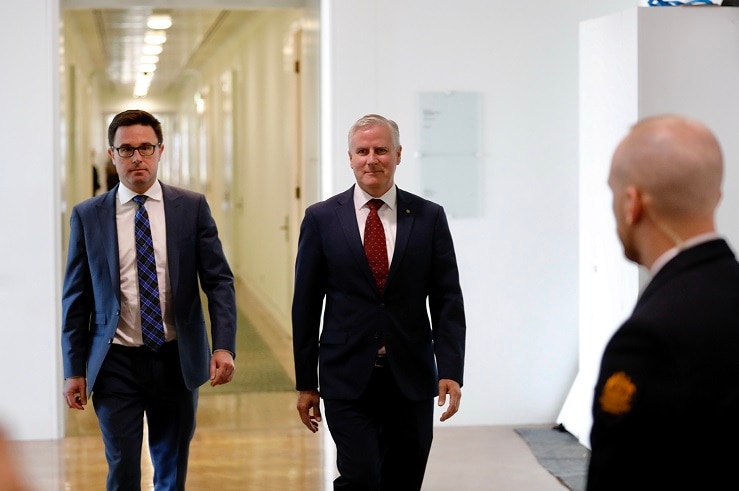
(29, 215)
(638, 63)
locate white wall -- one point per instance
(262, 191)
(30, 216)
(518, 262)
(637, 63)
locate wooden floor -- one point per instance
(255, 441)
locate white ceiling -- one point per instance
(115, 36)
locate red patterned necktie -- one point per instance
(374, 244)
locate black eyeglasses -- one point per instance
(145, 150)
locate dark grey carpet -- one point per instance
(559, 452)
(257, 369)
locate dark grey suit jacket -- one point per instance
(422, 345)
(91, 293)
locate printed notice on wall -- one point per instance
(450, 151)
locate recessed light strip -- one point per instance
(154, 40)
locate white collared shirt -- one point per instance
(388, 215)
(129, 324)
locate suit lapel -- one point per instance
(405, 219)
(173, 218)
(109, 234)
(348, 221)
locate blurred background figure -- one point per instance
(111, 175)
(95, 173)
(10, 473)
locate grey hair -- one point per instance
(373, 120)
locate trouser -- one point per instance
(382, 439)
(133, 383)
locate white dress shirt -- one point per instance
(129, 324)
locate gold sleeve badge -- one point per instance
(617, 394)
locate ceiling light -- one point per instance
(161, 21)
(143, 81)
(155, 37)
(147, 67)
(151, 49)
(139, 92)
(199, 103)
(149, 59)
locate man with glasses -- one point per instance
(134, 338)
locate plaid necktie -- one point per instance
(152, 328)
(374, 244)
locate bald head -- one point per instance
(666, 180)
(675, 161)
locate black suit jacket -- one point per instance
(91, 295)
(666, 402)
(331, 265)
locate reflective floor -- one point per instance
(249, 437)
(254, 441)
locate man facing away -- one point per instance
(133, 330)
(379, 360)
(666, 400)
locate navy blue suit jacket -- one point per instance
(331, 265)
(91, 295)
(667, 396)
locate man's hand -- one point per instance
(222, 368)
(309, 408)
(448, 386)
(75, 392)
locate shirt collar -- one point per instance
(361, 197)
(154, 192)
(670, 253)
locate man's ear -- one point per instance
(634, 205)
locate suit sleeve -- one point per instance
(308, 296)
(446, 305)
(77, 302)
(216, 280)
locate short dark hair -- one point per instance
(132, 117)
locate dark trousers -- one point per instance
(133, 383)
(382, 439)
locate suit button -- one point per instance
(382, 305)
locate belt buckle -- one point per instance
(381, 361)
